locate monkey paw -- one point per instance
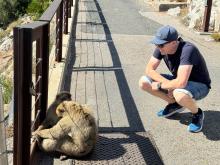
(36, 137)
(35, 133)
(63, 157)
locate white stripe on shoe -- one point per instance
(174, 112)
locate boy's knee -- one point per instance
(144, 83)
(180, 94)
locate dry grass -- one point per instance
(10, 28)
(184, 11)
(9, 131)
(216, 36)
(183, 16)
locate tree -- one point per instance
(11, 10)
(37, 7)
(6, 11)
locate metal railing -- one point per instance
(207, 14)
(24, 87)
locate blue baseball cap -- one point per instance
(165, 34)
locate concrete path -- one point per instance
(111, 48)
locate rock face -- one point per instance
(174, 11)
(196, 13)
(6, 50)
(6, 56)
(194, 18)
(6, 45)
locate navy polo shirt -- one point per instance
(187, 54)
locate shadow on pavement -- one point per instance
(211, 127)
(71, 55)
(109, 147)
(116, 146)
(126, 96)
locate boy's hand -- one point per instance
(155, 85)
(170, 93)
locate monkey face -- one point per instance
(60, 111)
(66, 107)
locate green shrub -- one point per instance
(10, 10)
(7, 88)
(37, 7)
(2, 34)
(216, 36)
(10, 28)
(6, 11)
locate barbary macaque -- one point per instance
(51, 117)
(75, 134)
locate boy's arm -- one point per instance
(183, 74)
(151, 70)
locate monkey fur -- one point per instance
(75, 134)
(51, 117)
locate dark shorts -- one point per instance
(194, 89)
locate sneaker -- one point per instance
(197, 122)
(170, 109)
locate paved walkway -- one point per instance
(105, 61)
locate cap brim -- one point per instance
(157, 41)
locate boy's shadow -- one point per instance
(211, 125)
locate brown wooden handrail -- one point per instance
(24, 36)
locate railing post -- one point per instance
(69, 8)
(23, 38)
(59, 32)
(22, 100)
(207, 14)
(45, 69)
(65, 16)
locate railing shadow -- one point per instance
(144, 144)
(126, 96)
(114, 148)
(118, 151)
(71, 54)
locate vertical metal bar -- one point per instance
(45, 70)
(22, 100)
(3, 148)
(207, 14)
(42, 71)
(59, 34)
(71, 1)
(38, 73)
(69, 8)
(75, 15)
(65, 16)
(17, 98)
(27, 97)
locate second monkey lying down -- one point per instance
(75, 134)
